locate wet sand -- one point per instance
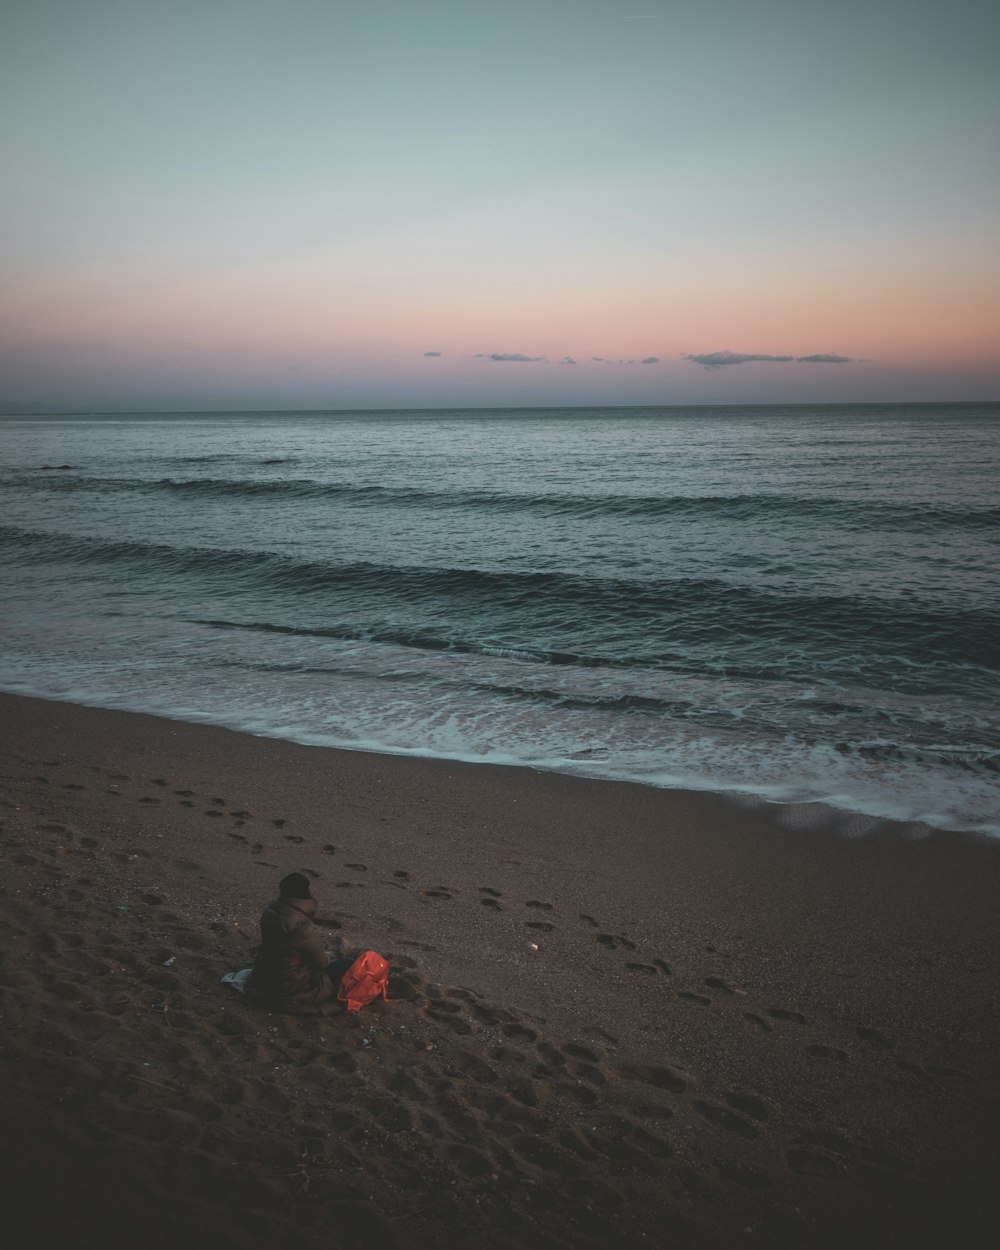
(619, 1016)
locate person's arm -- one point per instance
(310, 947)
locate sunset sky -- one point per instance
(229, 203)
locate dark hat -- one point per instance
(295, 885)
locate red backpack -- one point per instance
(364, 981)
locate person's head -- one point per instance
(295, 885)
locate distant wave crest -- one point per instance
(567, 611)
(748, 508)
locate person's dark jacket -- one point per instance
(291, 961)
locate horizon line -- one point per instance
(153, 412)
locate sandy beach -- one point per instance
(618, 1016)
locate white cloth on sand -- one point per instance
(238, 980)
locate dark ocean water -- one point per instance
(789, 603)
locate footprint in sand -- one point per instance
(533, 902)
(587, 1072)
(401, 875)
(726, 1119)
(759, 1021)
(186, 794)
(487, 889)
(932, 1072)
(278, 824)
(329, 849)
(148, 799)
(750, 1105)
(691, 997)
(452, 1022)
(491, 902)
(548, 1053)
(876, 1038)
(592, 1030)
(659, 1077)
(579, 1052)
(484, 1014)
(211, 811)
(780, 1013)
(588, 920)
(542, 926)
(447, 1008)
(884, 1158)
(613, 940)
(158, 781)
(717, 983)
(186, 803)
(827, 1052)
(441, 891)
(357, 867)
(507, 1054)
(828, 1139)
(810, 1163)
(294, 837)
(649, 969)
(518, 1033)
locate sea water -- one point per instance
(789, 603)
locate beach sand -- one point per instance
(618, 1016)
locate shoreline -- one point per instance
(805, 815)
(655, 1017)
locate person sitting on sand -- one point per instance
(292, 968)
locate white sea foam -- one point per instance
(650, 751)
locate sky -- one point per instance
(309, 204)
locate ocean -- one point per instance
(794, 604)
